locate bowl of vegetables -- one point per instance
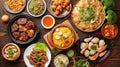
(36, 8)
(78, 61)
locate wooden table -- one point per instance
(112, 61)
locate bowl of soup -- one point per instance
(62, 37)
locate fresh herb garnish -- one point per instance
(87, 14)
(112, 42)
(80, 63)
(54, 51)
(37, 56)
(6, 29)
(93, 47)
(61, 62)
(10, 52)
(63, 37)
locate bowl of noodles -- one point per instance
(14, 6)
(88, 15)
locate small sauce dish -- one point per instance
(48, 21)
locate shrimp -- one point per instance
(100, 49)
(83, 50)
(94, 57)
(102, 53)
(88, 39)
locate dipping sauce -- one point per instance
(47, 21)
(109, 31)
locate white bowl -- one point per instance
(49, 26)
(11, 11)
(33, 14)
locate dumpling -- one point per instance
(83, 45)
(90, 44)
(101, 43)
(95, 40)
(87, 53)
(92, 52)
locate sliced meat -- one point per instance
(16, 35)
(22, 21)
(30, 25)
(14, 27)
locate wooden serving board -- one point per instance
(47, 35)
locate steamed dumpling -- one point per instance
(83, 45)
(101, 43)
(90, 44)
(95, 40)
(87, 53)
(92, 52)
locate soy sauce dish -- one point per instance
(48, 21)
(36, 8)
(22, 29)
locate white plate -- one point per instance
(62, 15)
(28, 51)
(10, 11)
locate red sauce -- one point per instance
(47, 21)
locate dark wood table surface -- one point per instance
(112, 61)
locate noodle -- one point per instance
(14, 5)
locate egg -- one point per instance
(5, 18)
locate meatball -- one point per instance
(29, 25)
(23, 36)
(16, 35)
(21, 21)
(14, 27)
(22, 29)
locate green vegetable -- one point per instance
(6, 29)
(10, 52)
(63, 37)
(111, 17)
(36, 7)
(54, 51)
(112, 42)
(70, 53)
(87, 14)
(93, 47)
(37, 57)
(61, 62)
(108, 4)
(81, 63)
(40, 46)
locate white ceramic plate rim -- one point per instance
(28, 51)
(39, 14)
(10, 11)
